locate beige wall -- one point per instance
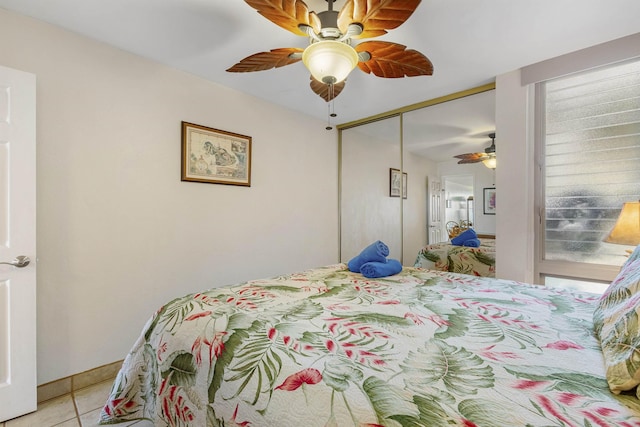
(118, 233)
(514, 179)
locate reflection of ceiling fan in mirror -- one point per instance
(488, 157)
(331, 55)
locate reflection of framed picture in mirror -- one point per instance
(404, 185)
(489, 201)
(395, 182)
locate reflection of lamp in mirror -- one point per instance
(626, 231)
(490, 162)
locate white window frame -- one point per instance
(600, 273)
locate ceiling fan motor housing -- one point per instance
(492, 148)
(329, 25)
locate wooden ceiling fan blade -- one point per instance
(375, 16)
(323, 91)
(267, 60)
(288, 14)
(393, 60)
(471, 157)
(467, 161)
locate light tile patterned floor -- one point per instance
(78, 409)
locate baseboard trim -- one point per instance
(79, 381)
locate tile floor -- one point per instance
(80, 408)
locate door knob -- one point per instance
(20, 261)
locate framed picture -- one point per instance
(395, 183)
(215, 156)
(404, 185)
(489, 201)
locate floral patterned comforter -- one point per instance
(480, 261)
(328, 347)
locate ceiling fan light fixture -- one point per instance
(330, 61)
(490, 162)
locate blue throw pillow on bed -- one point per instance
(463, 237)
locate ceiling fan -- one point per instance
(331, 56)
(488, 157)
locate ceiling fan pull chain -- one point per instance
(330, 113)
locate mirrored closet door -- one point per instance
(391, 168)
(370, 166)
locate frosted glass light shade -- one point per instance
(490, 163)
(627, 228)
(330, 61)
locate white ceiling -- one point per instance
(444, 130)
(439, 132)
(468, 41)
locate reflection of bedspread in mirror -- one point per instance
(444, 256)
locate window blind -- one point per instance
(591, 160)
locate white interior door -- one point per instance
(435, 211)
(17, 240)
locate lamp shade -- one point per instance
(330, 61)
(626, 231)
(490, 163)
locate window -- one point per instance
(590, 151)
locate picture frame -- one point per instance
(405, 178)
(215, 156)
(395, 182)
(489, 201)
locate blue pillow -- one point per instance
(472, 243)
(463, 237)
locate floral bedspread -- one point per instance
(480, 261)
(327, 347)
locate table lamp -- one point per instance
(626, 231)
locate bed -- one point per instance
(328, 347)
(480, 261)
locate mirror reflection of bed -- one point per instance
(420, 141)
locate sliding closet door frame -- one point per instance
(389, 114)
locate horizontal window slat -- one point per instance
(595, 180)
(631, 190)
(596, 93)
(628, 129)
(606, 120)
(613, 159)
(609, 143)
(613, 202)
(591, 110)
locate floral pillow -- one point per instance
(634, 256)
(616, 323)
